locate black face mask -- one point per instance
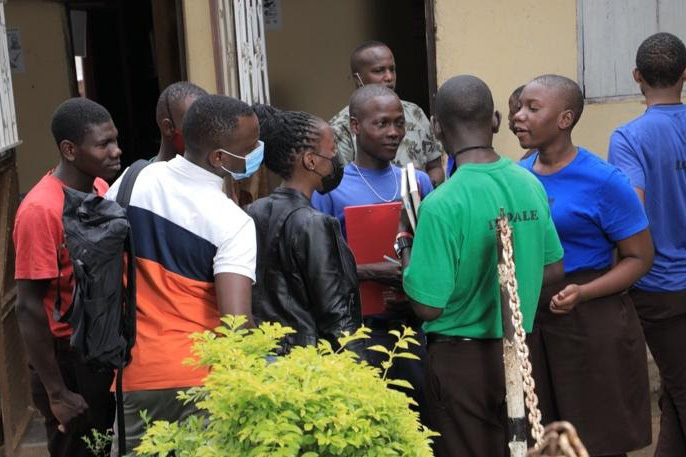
(333, 179)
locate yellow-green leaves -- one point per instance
(315, 401)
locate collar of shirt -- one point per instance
(198, 174)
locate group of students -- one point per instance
(592, 281)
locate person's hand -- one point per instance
(383, 272)
(68, 407)
(565, 300)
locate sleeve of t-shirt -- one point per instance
(323, 203)
(429, 279)
(425, 185)
(238, 253)
(620, 212)
(625, 157)
(38, 235)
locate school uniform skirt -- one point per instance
(590, 368)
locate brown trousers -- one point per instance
(465, 383)
(93, 386)
(663, 317)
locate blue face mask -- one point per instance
(252, 162)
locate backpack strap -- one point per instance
(127, 182)
(129, 318)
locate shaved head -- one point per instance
(362, 96)
(569, 91)
(359, 57)
(464, 99)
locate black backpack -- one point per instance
(103, 309)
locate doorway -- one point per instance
(309, 44)
(124, 54)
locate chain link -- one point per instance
(506, 274)
(560, 440)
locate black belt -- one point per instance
(433, 338)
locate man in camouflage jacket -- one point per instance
(373, 63)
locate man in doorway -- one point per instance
(373, 63)
(651, 151)
(172, 105)
(451, 274)
(72, 397)
(195, 256)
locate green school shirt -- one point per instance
(454, 259)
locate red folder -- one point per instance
(371, 233)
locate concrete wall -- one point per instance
(199, 49)
(508, 44)
(308, 56)
(41, 87)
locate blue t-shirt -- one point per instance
(593, 206)
(651, 150)
(374, 186)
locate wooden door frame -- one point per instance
(430, 35)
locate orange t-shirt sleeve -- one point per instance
(38, 234)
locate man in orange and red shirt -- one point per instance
(73, 398)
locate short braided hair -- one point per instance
(285, 134)
(661, 60)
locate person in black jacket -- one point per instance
(306, 274)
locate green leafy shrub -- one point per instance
(312, 402)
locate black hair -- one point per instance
(355, 55)
(285, 134)
(661, 60)
(74, 117)
(517, 92)
(366, 93)
(464, 99)
(570, 90)
(173, 94)
(210, 119)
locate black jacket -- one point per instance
(306, 274)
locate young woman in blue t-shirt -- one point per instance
(587, 347)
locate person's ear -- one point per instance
(495, 122)
(357, 79)
(565, 119)
(354, 125)
(215, 158)
(167, 128)
(308, 159)
(436, 127)
(68, 150)
(637, 76)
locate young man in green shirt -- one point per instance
(452, 277)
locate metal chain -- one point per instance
(561, 440)
(372, 189)
(506, 273)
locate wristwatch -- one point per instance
(402, 243)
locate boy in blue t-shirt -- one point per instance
(378, 122)
(651, 150)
